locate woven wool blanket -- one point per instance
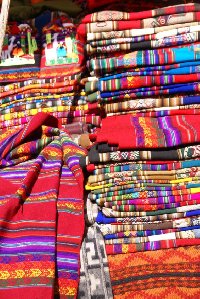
(175, 214)
(160, 31)
(145, 42)
(142, 165)
(171, 273)
(152, 104)
(94, 275)
(109, 235)
(143, 35)
(112, 222)
(181, 153)
(146, 197)
(160, 90)
(148, 22)
(148, 194)
(173, 69)
(41, 212)
(182, 185)
(145, 58)
(103, 16)
(129, 132)
(177, 173)
(136, 82)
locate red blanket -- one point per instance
(41, 211)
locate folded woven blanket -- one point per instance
(145, 58)
(129, 132)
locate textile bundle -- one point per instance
(145, 181)
(42, 219)
(127, 81)
(43, 64)
(42, 207)
(143, 161)
(145, 62)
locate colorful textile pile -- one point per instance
(42, 218)
(128, 81)
(59, 96)
(144, 160)
(143, 62)
(49, 81)
(145, 182)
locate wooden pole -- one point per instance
(3, 21)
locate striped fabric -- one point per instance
(145, 58)
(130, 132)
(134, 82)
(143, 161)
(41, 211)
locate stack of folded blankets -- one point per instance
(40, 71)
(144, 160)
(145, 61)
(145, 181)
